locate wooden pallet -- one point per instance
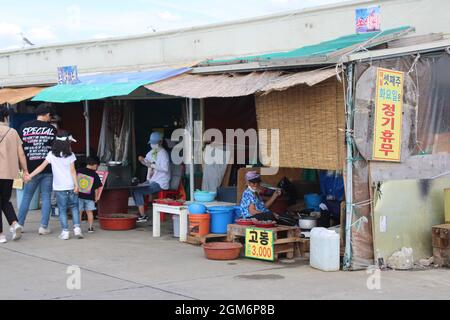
(302, 247)
(285, 238)
(199, 240)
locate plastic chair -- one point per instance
(176, 192)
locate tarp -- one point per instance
(100, 86)
(340, 45)
(235, 85)
(13, 96)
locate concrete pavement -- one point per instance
(133, 265)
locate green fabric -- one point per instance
(64, 93)
(321, 49)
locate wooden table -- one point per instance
(182, 211)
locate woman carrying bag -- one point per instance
(11, 155)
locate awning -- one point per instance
(323, 52)
(13, 96)
(94, 87)
(235, 85)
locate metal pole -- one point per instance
(86, 117)
(349, 173)
(191, 145)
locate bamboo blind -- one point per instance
(311, 121)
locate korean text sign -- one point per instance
(259, 244)
(368, 20)
(68, 75)
(387, 138)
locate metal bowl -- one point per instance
(307, 223)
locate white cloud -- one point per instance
(40, 34)
(168, 16)
(9, 29)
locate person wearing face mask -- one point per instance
(252, 205)
(158, 174)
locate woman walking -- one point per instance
(11, 155)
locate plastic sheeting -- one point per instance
(430, 76)
(115, 135)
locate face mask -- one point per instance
(253, 190)
(154, 146)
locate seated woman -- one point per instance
(251, 204)
(158, 175)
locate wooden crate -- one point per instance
(302, 247)
(285, 238)
(199, 240)
(441, 236)
(441, 257)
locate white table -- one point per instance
(182, 211)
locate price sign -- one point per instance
(259, 244)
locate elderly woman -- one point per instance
(11, 155)
(251, 204)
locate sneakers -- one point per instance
(65, 235)
(78, 233)
(16, 231)
(44, 231)
(142, 219)
(91, 230)
(3, 239)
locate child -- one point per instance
(65, 182)
(89, 183)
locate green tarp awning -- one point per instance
(318, 50)
(102, 86)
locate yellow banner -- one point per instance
(259, 244)
(387, 139)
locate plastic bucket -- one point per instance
(221, 217)
(176, 225)
(199, 224)
(34, 204)
(312, 201)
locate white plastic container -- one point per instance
(324, 250)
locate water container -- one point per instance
(176, 225)
(312, 201)
(221, 217)
(324, 249)
(34, 204)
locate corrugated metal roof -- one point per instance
(322, 50)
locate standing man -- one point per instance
(158, 174)
(38, 136)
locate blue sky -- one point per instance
(52, 21)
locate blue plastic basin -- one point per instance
(204, 196)
(197, 208)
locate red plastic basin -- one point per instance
(118, 222)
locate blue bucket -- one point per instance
(312, 201)
(221, 217)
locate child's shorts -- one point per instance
(86, 205)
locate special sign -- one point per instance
(387, 138)
(259, 244)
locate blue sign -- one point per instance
(368, 19)
(68, 75)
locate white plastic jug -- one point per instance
(324, 250)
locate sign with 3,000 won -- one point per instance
(259, 244)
